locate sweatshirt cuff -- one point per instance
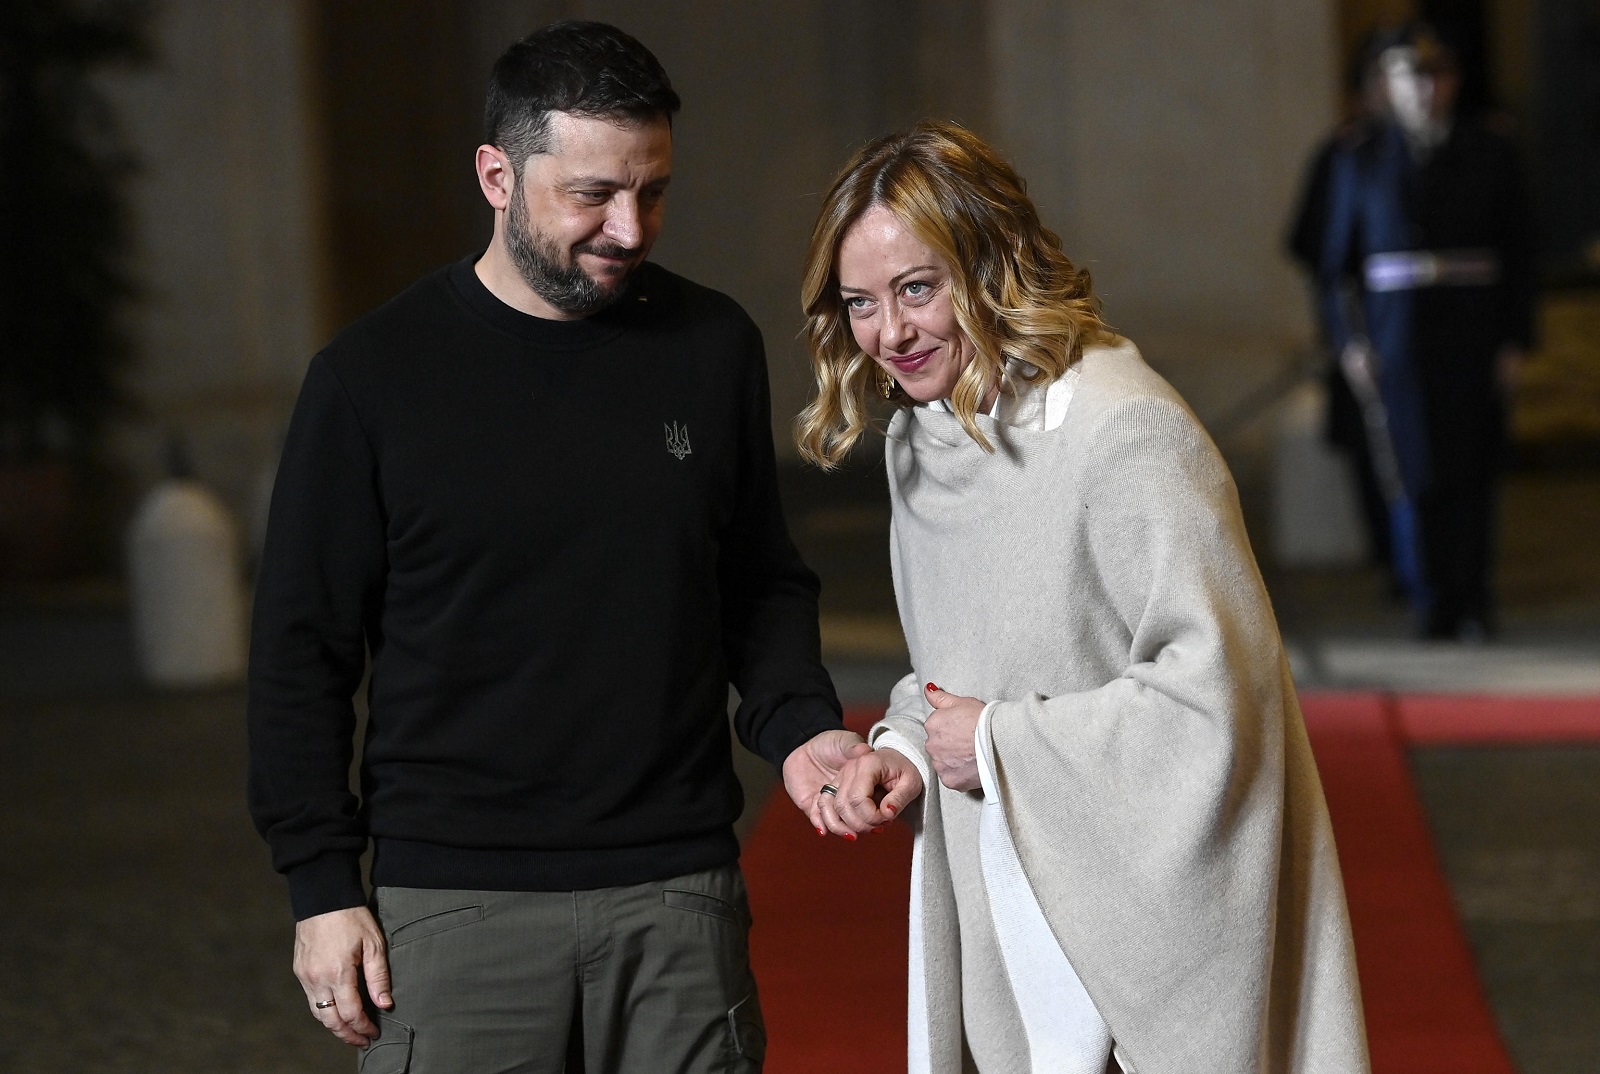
(326, 883)
(797, 722)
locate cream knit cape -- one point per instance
(1096, 583)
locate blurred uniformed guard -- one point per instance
(1428, 296)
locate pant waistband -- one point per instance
(1408, 270)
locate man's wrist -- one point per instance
(797, 722)
(326, 883)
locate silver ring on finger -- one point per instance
(830, 790)
(324, 1004)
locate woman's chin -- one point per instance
(920, 392)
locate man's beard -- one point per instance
(564, 285)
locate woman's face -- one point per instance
(896, 292)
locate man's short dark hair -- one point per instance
(1435, 50)
(588, 69)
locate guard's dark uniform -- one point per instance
(1343, 428)
(1438, 259)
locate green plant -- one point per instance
(64, 279)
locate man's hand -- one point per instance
(952, 732)
(815, 762)
(333, 954)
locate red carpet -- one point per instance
(829, 942)
(1445, 720)
(1426, 1013)
(829, 939)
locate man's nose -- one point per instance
(623, 224)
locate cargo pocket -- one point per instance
(433, 924)
(747, 1034)
(701, 903)
(391, 1052)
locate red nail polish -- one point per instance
(877, 830)
(887, 808)
(850, 836)
(821, 832)
(931, 687)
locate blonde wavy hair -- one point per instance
(1013, 292)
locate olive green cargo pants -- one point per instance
(648, 978)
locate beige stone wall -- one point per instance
(1165, 142)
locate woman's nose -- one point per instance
(895, 329)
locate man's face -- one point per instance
(584, 215)
(1418, 93)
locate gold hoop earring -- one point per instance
(886, 384)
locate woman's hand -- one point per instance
(816, 763)
(952, 733)
(873, 789)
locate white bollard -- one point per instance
(186, 587)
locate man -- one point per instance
(1428, 293)
(538, 488)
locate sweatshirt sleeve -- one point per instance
(769, 601)
(320, 589)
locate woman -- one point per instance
(1123, 857)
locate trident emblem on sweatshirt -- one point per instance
(677, 440)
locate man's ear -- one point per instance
(495, 177)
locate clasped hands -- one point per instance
(873, 787)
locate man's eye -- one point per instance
(593, 197)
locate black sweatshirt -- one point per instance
(560, 541)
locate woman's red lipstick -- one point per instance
(910, 363)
